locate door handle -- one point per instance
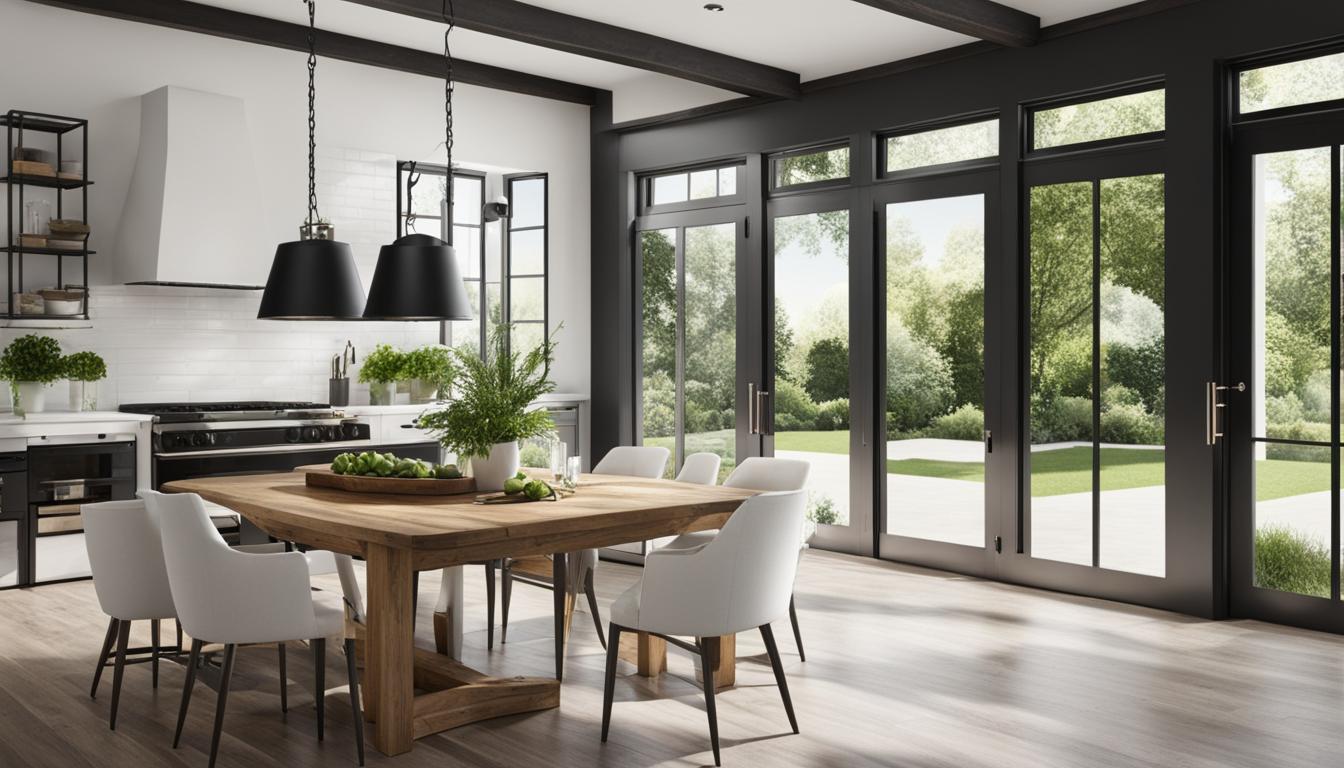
(751, 408)
(761, 429)
(1212, 406)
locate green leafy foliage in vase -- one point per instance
(434, 364)
(32, 358)
(493, 398)
(84, 366)
(384, 364)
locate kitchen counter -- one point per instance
(55, 427)
(555, 398)
(13, 425)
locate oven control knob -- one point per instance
(292, 435)
(313, 435)
(181, 441)
(352, 431)
(331, 433)
(199, 439)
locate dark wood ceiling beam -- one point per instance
(221, 22)
(984, 19)
(573, 34)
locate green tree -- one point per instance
(828, 370)
(783, 344)
(1060, 272)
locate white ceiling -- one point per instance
(814, 38)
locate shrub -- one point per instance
(1315, 395)
(919, 383)
(794, 410)
(1068, 368)
(1131, 425)
(828, 370)
(1141, 368)
(534, 454)
(384, 364)
(965, 423)
(1283, 410)
(434, 364)
(660, 400)
(822, 511)
(1290, 562)
(32, 358)
(84, 366)
(1119, 394)
(833, 415)
(1298, 430)
(1061, 419)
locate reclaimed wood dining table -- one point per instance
(412, 692)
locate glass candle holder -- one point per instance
(559, 454)
(573, 469)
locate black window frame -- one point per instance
(644, 182)
(883, 174)
(1286, 55)
(772, 159)
(1028, 110)
(507, 275)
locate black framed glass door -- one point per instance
(1282, 399)
(818, 388)
(941, 503)
(694, 286)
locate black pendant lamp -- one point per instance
(314, 277)
(417, 276)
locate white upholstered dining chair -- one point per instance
(700, 469)
(235, 598)
(633, 460)
(740, 579)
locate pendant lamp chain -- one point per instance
(448, 16)
(313, 217)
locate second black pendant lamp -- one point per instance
(417, 276)
(314, 277)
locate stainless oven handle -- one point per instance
(79, 481)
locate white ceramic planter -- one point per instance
(382, 392)
(422, 391)
(491, 472)
(83, 395)
(29, 397)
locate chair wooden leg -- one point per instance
(559, 591)
(154, 652)
(284, 680)
(490, 605)
(797, 634)
(609, 682)
(103, 655)
(768, 635)
(123, 639)
(354, 696)
(709, 653)
(320, 687)
(592, 607)
(505, 593)
(186, 688)
(226, 672)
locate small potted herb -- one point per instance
(84, 370)
(30, 363)
(382, 369)
(491, 408)
(431, 371)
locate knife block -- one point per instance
(338, 391)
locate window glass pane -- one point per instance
(935, 374)
(704, 184)
(1111, 118)
(527, 298)
(817, 166)
(811, 398)
(658, 324)
(1291, 381)
(467, 246)
(527, 254)
(1061, 372)
(1291, 84)
(943, 145)
(727, 181)
(525, 337)
(710, 328)
(493, 308)
(528, 203)
(466, 334)
(427, 196)
(467, 200)
(669, 189)
(1133, 369)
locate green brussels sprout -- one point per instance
(513, 486)
(537, 490)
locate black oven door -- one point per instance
(13, 519)
(61, 479)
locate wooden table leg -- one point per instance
(560, 591)
(448, 614)
(389, 661)
(725, 670)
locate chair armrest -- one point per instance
(265, 597)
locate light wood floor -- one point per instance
(906, 667)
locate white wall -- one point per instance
(108, 64)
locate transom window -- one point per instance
(1137, 114)
(1291, 84)
(806, 167)
(941, 146)
(691, 186)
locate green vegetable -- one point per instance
(521, 475)
(537, 490)
(447, 472)
(513, 485)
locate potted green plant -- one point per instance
(30, 363)
(84, 370)
(491, 408)
(431, 371)
(381, 370)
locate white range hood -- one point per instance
(192, 215)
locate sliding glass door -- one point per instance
(938, 504)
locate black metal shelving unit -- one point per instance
(17, 123)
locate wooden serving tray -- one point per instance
(321, 476)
